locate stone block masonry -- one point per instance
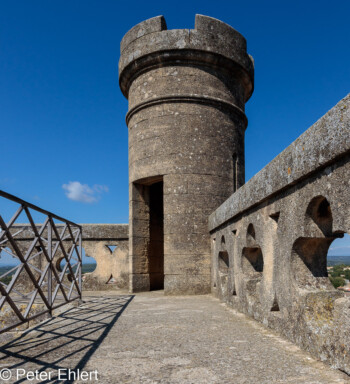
(186, 91)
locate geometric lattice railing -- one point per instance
(48, 263)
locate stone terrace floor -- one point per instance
(149, 338)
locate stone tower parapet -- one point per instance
(187, 90)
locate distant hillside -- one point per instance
(88, 268)
(4, 269)
(337, 260)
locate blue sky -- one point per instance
(62, 115)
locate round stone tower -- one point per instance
(187, 90)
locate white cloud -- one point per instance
(82, 192)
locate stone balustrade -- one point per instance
(270, 240)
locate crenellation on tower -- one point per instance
(155, 24)
(150, 42)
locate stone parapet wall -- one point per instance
(112, 269)
(270, 240)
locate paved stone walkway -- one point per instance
(152, 339)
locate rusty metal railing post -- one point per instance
(80, 256)
(49, 272)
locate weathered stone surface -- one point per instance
(150, 39)
(9, 318)
(150, 338)
(187, 91)
(105, 231)
(155, 24)
(112, 266)
(276, 231)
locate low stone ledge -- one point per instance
(105, 231)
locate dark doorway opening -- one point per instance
(156, 243)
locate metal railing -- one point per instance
(38, 284)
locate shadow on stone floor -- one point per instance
(65, 342)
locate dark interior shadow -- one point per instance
(64, 342)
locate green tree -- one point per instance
(337, 281)
(336, 273)
(6, 280)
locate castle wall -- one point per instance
(186, 91)
(108, 244)
(270, 240)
